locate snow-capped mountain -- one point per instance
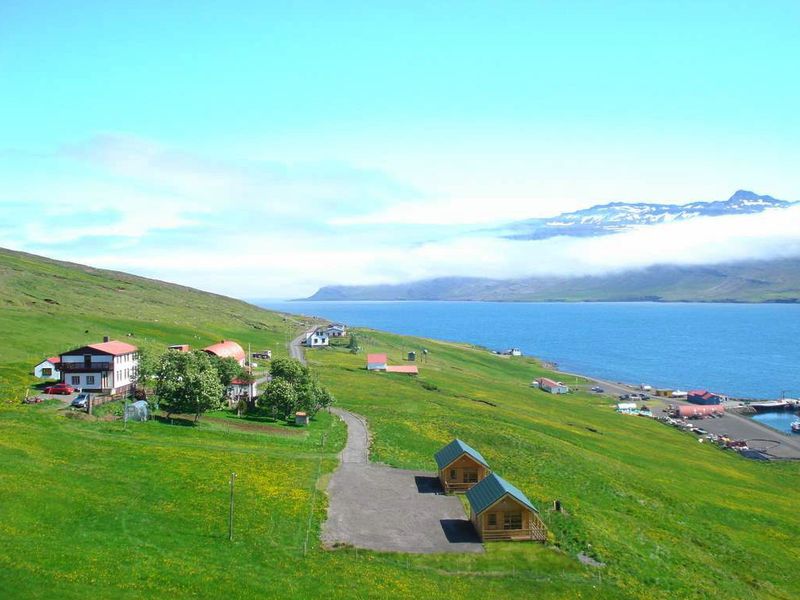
(615, 217)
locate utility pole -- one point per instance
(230, 514)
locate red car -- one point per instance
(59, 388)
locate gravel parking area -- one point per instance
(391, 510)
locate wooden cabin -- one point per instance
(499, 511)
(460, 466)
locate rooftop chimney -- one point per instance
(106, 338)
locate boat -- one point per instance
(795, 426)
(771, 405)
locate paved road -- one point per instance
(296, 348)
(390, 510)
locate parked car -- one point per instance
(598, 389)
(80, 401)
(60, 388)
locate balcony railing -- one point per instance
(67, 367)
(531, 533)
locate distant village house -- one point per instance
(552, 387)
(336, 330)
(317, 339)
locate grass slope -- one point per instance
(672, 518)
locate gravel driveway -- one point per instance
(392, 510)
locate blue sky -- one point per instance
(267, 148)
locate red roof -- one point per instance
(376, 358)
(114, 348)
(408, 369)
(548, 382)
(238, 381)
(226, 349)
(54, 359)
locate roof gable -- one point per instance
(492, 488)
(455, 449)
(114, 348)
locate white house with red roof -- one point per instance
(109, 367)
(48, 368)
(377, 362)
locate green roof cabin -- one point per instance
(499, 511)
(460, 466)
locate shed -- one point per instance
(180, 347)
(376, 362)
(300, 418)
(500, 511)
(48, 368)
(412, 356)
(137, 411)
(702, 397)
(698, 410)
(553, 387)
(407, 369)
(460, 466)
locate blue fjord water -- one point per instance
(743, 350)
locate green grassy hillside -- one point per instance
(89, 508)
(672, 518)
(47, 307)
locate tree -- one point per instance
(353, 344)
(288, 369)
(146, 371)
(280, 398)
(228, 369)
(188, 382)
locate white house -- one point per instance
(317, 339)
(48, 368)
(336, 330)
(240, 389)
(553, 387)
(108, 368)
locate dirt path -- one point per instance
(390, 510)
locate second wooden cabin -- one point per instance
(460, 466)
(500, 511)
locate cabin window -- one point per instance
(470, 475)
(47, 371)
(90, 380)
(76, 380)
(513, 520)
(453, 474)
(491, 520)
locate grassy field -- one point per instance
(670, 517)
(88, 508)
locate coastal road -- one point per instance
(296, 346)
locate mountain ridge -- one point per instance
(744, 282)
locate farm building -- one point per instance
(48, 368)
(702, 397)
(697, 410)
(317, 339)
(227, 349)
(376, 362)
(553, 387)
(460, 466)
(499, 511)
(109, 367)
(407, 369)
(180, 347)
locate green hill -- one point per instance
(757, 281)
(91, 508)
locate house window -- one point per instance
(90, 380)
(513, 520)
(47, 371)
(76, 380)
(453, 474)
(491, 520)
(470, 475)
